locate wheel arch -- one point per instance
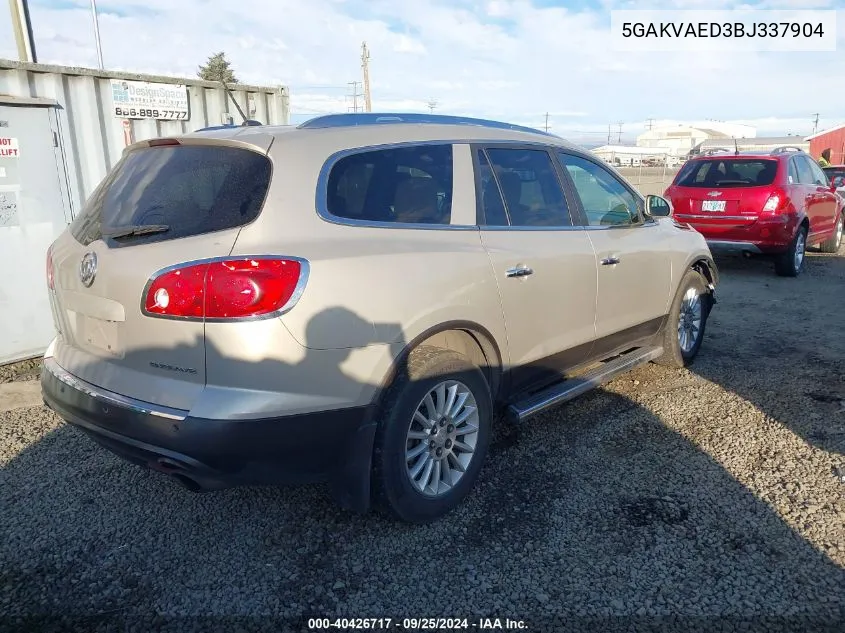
(465, 337)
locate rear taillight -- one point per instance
(50, 278)
(234, 288)
(774, 203)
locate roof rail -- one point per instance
(229, 126)
(376, 118)
(786, 148)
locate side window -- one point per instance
(805, 174)
(819, 177)
(606, 201)
(530, 187)
(410, 185)
(793, 172)
(492, 204)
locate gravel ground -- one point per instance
(703, 499)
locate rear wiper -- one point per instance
(139, 229)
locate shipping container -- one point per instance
(833, 139)
(61, 130)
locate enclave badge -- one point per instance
(88, 268)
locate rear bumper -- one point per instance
(729, 247)
(205, 454)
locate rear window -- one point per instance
(728, 172)
(407, 185)
(179, 190)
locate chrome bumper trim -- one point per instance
(137, 406)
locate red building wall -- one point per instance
(835, 140)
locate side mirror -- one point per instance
(838, 181)
(658, 207)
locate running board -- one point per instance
(574, 387)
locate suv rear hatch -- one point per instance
(165, 203)
(723, 192)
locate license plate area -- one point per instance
(103, 336)
(713, 205)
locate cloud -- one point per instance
(508, 59)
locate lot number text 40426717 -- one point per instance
(149, 113)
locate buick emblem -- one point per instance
(88, 269)
(714, 194)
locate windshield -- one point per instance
(728, 172)
(181, 190)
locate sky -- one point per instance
(513, 60)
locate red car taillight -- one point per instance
(233, 288)
(50, 277)
(775, 202)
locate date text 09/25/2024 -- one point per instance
(417, 624)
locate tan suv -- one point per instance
(355, 299)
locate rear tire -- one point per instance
(683, 332)
(832, 245)
(454, 386)
(791, 262)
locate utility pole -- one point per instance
(650, 123)
(620, 132)
(365, 67)
(97, 33)
(547, 122)
(355, 94)
(816, 123)
(22, 28)
(609, 125)
(431, 105)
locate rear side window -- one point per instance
(178, 190)
(529, 186)
(408, 185)
(728, 172)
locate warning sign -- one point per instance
(9, 147)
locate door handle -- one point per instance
(519, 271)
(609, 261)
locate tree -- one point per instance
(217, 69)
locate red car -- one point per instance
(771, 203)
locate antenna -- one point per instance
(736, 147)
(365, 67)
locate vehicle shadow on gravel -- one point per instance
(590, 512)
(781, 345)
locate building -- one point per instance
(632, 156)
(61, 130)
(679, 140)
(756, 144)
(833, 139)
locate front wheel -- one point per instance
(683, 332)
(832, 245)
(790, 263)
(433, 436)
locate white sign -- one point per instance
(9, 147)
(141, 100)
